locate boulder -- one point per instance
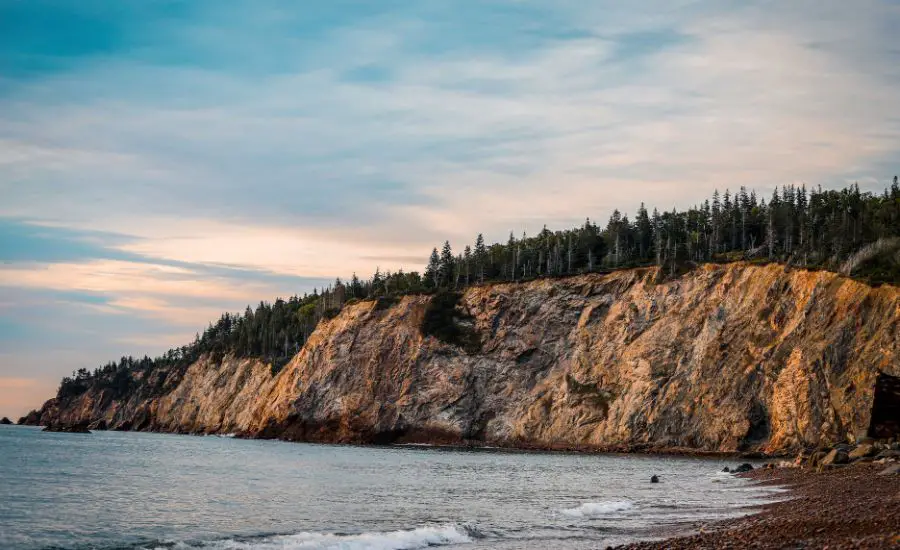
(654, 479)
(816, 458)
(67, 428)
(726, 470)
(888, 454)
(862, 451)
(890, 470)
(836, 456)
(745, 467)
(5, 421)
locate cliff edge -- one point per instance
(725, 358)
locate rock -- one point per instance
(5, 421)
(654, 479)
(753, 455)
(890, 470)
(865, 440)
(31, 419)
(726, 470)
(888, 454)
(864, 450)
(67, 428)
(745, 467)
(97, 425)
(836, 456)
(816, 458)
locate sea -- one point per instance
(121, 490)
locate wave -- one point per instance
(423, 537)
(597, 509)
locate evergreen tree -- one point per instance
(433, 271)
(446, 265)
(480, 257)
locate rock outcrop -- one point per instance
(67, 428)
(724, 358)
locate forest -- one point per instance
(848, 231)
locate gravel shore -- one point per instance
(847, 507)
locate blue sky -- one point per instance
(163, 161)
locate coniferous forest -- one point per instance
(847, 231)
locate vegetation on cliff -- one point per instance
(846, 230)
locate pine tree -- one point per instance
(480, 257)
(446, 265)
(433, 271)
(467, 261)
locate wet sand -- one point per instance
(848, 507)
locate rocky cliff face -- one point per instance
(724, 358)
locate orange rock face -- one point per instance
(725, 358)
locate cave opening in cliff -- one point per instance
(886, 407)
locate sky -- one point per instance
(164, 161)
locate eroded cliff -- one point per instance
(726, 357)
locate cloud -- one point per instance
(174, 161)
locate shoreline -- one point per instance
(846, 507)
(442, 441)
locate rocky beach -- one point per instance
(843, 505)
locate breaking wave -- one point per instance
(596, 509)
(423, 537)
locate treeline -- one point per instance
(813, 229)
(273, 332)
(840, 230)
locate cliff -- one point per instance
(724, 358)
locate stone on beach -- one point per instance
(862, 451)
(836, 456)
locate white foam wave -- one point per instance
(596, 509)
(423, 537)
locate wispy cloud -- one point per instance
(181, 159)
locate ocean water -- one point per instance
(112, 490)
